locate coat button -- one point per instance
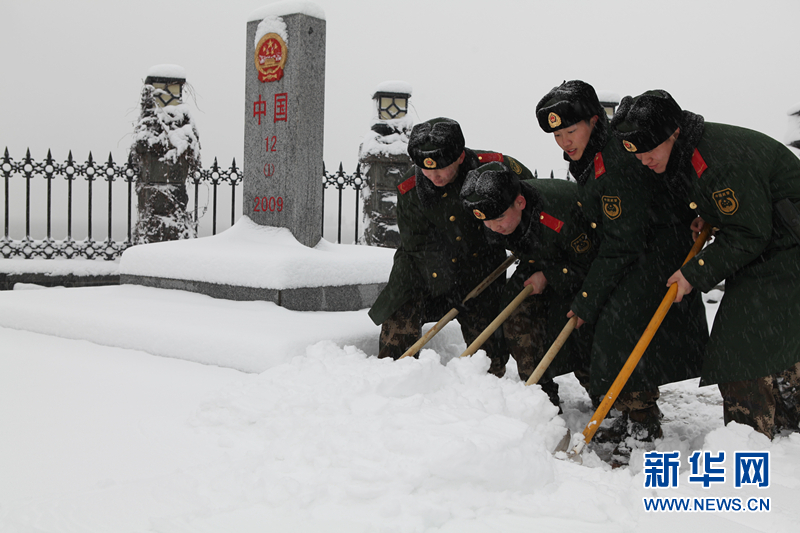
(692, 205)
(531, 261)
(565, 271)
(593, 225)
(454, 260)
(444, 195)
(475, 255)
(701, 262)
(434, 274)
(452, 218)
(458, 238)
(541, 217)
(585, 295)
(580, 204)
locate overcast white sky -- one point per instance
(72, 71)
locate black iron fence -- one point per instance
(341, 181)
(54, 192)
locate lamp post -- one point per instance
(163, 166)
(609, 101)
(169, 88)
(384, 160)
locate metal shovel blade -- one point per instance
(563, 444)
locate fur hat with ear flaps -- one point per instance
(436, 143)
(567, 104)
(489, 190)
(644, 122)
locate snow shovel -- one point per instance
(551, 353)
(491, 328)
(591, 428)
(417, 346)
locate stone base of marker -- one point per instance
(342, 298)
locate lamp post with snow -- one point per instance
(166, 149)
(384, 160)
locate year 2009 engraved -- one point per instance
(265, 204)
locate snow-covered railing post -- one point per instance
(384, 159)
(166, 149)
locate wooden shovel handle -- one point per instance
(417, 346)
(638, 350)
(551, 353)
(491, 328)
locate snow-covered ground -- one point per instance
(132, 409)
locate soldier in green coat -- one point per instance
(746, 185)
(644, 237)
(443, 251)
(540, 223)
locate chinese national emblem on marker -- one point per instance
(270, 57)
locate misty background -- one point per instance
(73, 71)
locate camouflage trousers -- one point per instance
(767, 404)
(404, 327)
(525, 332)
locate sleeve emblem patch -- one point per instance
(581, 244)
(612, 207)
(514, 165)
(726, 201)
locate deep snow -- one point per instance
(100, 434)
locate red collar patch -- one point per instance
(551, 222)
(407, 185)
(490, 157)
(599, 165)
(698, 163)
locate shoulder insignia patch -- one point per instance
(490, 157)
(407, 185)
(698, 163)
(726, 201)
(599, 165)
(551, 222)
(581, 244)
(612, 206)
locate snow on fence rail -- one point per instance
(53, 192)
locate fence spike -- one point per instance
(110, 160)
(90, 161)
(28, 156)
(6, 158)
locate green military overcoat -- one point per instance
(645, 237)
(555, 239)
(739, 174)
(443, 250)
